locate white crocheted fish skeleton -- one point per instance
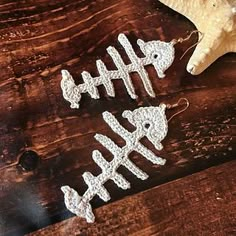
(150, 122)
(157, 53)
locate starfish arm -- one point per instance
(207, 51)
(218, 39)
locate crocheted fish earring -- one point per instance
(157, 53)
(150, 122)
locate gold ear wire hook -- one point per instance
(169, 106)
(181, 40)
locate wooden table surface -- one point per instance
(44, 144)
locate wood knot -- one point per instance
(29, 160)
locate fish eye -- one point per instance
(155, 56)
(147, 125)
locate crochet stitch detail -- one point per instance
(157, 53)
(150, 122)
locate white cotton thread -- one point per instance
(157, 53)
(150, 122)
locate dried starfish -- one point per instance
(216, 19)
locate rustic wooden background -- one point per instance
(44, 144)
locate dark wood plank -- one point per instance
(38, 39)
(200, 204)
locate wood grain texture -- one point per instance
(37, 40)
(200, 204)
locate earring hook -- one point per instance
(200, 39)
(169, 106)
(181, 40)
